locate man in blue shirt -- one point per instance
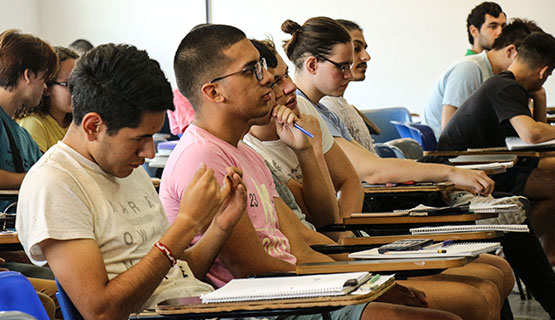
(26, 63)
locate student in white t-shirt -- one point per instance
(89, 210)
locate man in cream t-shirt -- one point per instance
(90, 211)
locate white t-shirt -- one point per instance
(352, 120)
(282, 158)
(66, 196)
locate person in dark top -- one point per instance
(499, 109)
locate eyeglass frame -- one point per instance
(63, 84)
(258, 73)
(340, 66)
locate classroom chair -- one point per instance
(68, 309)
(388, 151)
(19, 295)
(382, 117)
(422, 133)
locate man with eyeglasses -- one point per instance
(230, 89)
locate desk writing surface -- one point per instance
(460, 236)
(470, 217)
(484, 151)
(382, 266)
(193, 305)
(432, 187)
(10, 238)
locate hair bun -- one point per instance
(290, 26)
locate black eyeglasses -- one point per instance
(63, 84)
(257, 69)
(344, 67)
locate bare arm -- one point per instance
(317, 196)
(10, 180)
(296, 232)
(373, 169)
(350, 194)
(532, 131)
(540, 105)
(244, 255)
(446, 114)
(201, 256)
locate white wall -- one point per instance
(156, 26)
(410, 41)
(20, 14)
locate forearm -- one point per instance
(201, 256)
(540, 108)
(317, 189)
(390, 170)
(346, 181)
(243, 254)
(10, 180)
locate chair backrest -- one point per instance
(382, 117)
(429, 141)
(388, 151)
(68, 309)
(17, 294)
(406, 131)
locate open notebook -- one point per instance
(462, 249)
(287, 287)
(422, 210)
(515, 143)
(471, 228)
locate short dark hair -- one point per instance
(43, 108)
(267, 50)
(477, 16)
(515, 32)
(538, 50)
(81, 46)
(121, 84)
(200, 56)
(349, 25)
(21, 51)
(316, 36)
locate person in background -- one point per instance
(459, 80)
(483, 25)
(48, 122)
(81, 46)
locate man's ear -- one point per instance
(474, 32)
(26, 75)
(91, 125)
(212, 92)
(510, 51)
(544, 72)
(311, 64)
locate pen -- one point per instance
(303, 130)
(375, 278)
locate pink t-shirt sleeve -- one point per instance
(182, 116)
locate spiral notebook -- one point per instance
(287, 287)
(471, 228)
(460, 249)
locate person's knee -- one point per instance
(380, 310)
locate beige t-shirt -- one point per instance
(66, 196)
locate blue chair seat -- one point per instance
(382, 117)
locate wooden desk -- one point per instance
(9, 194)
(462, 236)
(383, 266)
(427, 220)
(192, 307)
(485, 151)
(432, 187)
(9, 238)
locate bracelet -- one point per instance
(166, 251)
